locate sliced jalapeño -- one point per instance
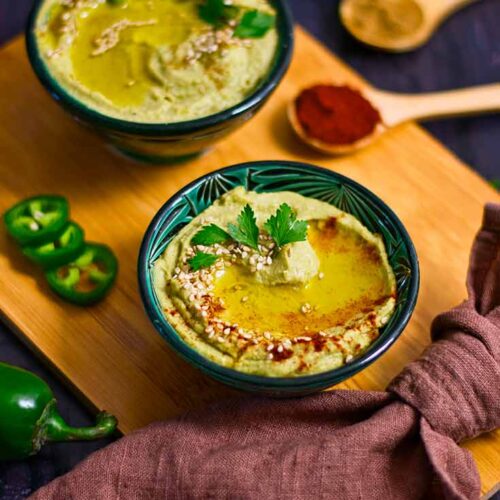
(37, 220)
(86, 279)
(65, 248)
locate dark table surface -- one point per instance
(464, 52)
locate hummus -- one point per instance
(308, 307)
(151, 61)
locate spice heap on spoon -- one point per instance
(340, 119)
(396, 25)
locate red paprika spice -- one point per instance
(335, 114)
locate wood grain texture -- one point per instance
(110, 352)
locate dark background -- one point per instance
(465, 51)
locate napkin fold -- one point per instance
(398, 444)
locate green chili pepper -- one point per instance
(37, 220)
(62, 250)
(86, 279)
(29, 416)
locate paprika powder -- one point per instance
(335, 114)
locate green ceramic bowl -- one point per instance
(169, 142)
(314, 182)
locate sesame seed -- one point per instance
(227, 331)
(268, 336)
(270, 347)
(34, 226)
(270, 356)
(280, 348)
(244, 299)
(321, 276)
(305, 308)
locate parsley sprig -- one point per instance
(246, 232)
(252, 24)
(210, 235)
(216, 12)
(202, 259)
(283, 227)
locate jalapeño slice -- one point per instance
(37, 220)
(67, 247)
(86, 279)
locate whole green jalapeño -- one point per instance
(37, 220)
(29, 417)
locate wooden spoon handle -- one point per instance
(398, 108)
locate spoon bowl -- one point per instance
(325, 147)
(408, 34)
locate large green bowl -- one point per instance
(314, 182)
(168, 142)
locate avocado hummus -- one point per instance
(155, 61)
(307, 307)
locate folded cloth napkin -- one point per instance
(399, 444)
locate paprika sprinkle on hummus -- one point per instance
(335, 114)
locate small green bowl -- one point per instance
(308, 180)
(169, 142)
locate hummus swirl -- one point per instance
(151, 61)
(308, 307)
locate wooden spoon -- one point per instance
(397, 108)
(403, 25)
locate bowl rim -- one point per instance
(382, 343)
(280, 65)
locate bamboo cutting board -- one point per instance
(110, 353)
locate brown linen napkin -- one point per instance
(399, 444)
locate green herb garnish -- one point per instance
(210, 235)
(496, 184)
(202, 259)
(216, 12)
(246, 232)
(254, 24)
(285, 228)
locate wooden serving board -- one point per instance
(111, 353)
